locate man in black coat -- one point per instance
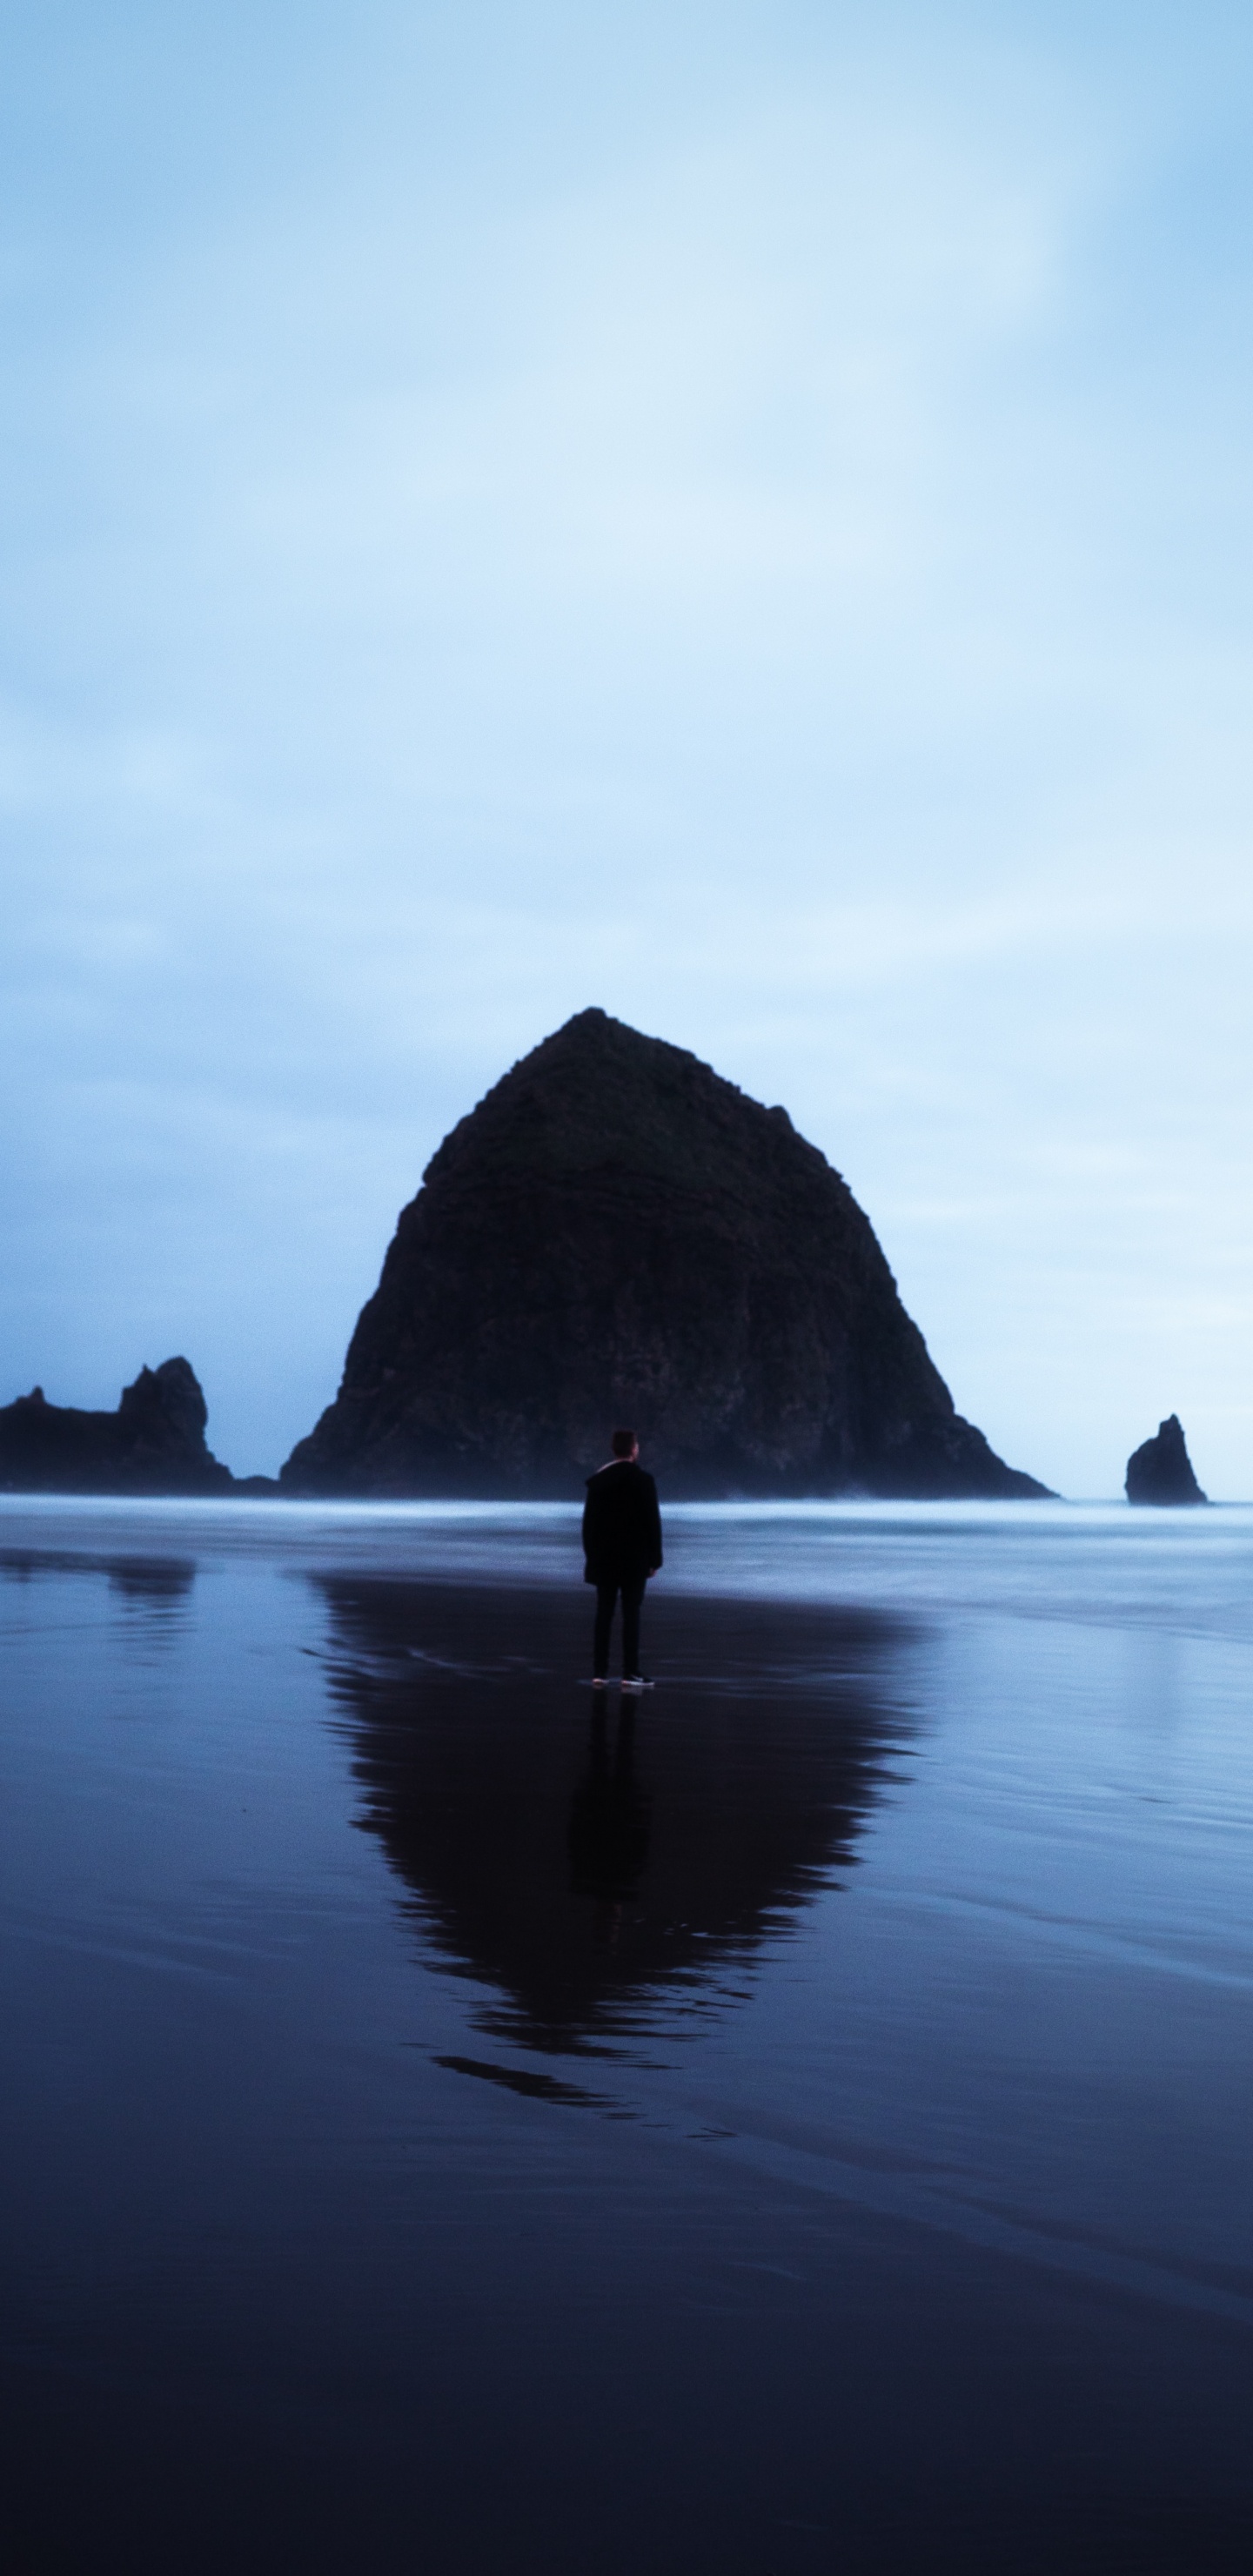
(622, 1547)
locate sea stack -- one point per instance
(153, 1444)
(1160, 1470)
(616, 1234)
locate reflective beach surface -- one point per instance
(798, 2120)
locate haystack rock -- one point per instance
(1160, 1470)
(153, 1444)
(616, 1235)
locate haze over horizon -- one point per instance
(740, 517)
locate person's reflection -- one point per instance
(609, 1822)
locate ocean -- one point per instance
(796, 2120)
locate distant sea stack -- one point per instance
(153, 1444)
(1160, 1470)
(616, 1234)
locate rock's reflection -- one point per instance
(154, 1583)
(609, 1871)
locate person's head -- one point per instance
(625, 1445)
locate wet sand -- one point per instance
(795, 2121)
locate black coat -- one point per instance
(621, 1524)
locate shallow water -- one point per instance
(800, 2121)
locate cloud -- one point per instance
(746, 525)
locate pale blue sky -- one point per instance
(742, 515)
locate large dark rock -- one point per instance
(1160, 1470)
(617, 1235)
(153, 1444)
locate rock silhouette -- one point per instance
(1160, 1470)
(153, 1444)
(617, 1234)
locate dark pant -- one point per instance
(631, 1587)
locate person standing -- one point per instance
(621, 1548)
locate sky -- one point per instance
(740, 515)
